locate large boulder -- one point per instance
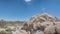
(49, 30)
(57, 28)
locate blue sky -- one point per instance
(21, 10)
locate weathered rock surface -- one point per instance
(42, 24)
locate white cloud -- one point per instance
(27, 1)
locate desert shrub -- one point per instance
(3, 32)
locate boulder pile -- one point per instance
(42, 24)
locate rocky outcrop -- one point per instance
(42, 24)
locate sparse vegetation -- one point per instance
(3, 32)
(9, 26)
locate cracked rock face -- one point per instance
(42, 24)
